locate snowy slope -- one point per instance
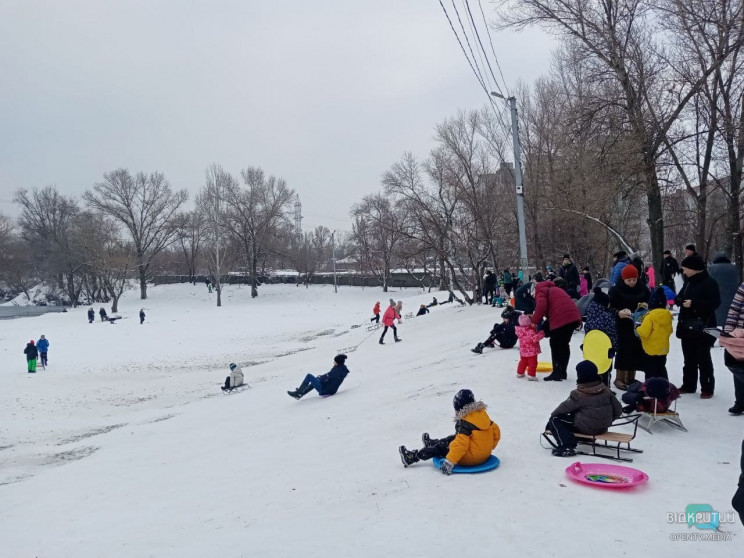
(125, 446)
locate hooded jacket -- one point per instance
(30, 351)
(554, 304)
(42, 345)
(236, 377)
(476, 435)
(655, 330)
(529, 341)
(388, 319)
(617, 270)
(594, 406)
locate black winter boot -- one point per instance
(554, 376)
(295, 393)
(478, 348)
(407, 457)
(426, 440)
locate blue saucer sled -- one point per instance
(489, 464)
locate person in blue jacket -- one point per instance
(621, 260)
(42, 345)
(326, 384)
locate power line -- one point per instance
(467, 40)
(463, 48)
(490, 40)
(480, 43)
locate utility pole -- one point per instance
(519, 183)
(333, 249)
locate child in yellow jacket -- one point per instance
(476, 437)
(654, 331)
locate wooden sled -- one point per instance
(610, 440)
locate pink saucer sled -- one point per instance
(606, 476)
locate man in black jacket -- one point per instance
(325, 384)
(669, 268)
(570, 275)
(698, 300)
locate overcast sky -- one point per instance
(326, 94)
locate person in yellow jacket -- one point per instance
(654, 331)
(475, 438)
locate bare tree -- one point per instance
(191, 232)
(255, 214)
(146, 206)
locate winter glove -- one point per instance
(447, 467)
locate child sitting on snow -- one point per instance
(658, 392)
(590, 409)
(476, 436)
(422, 310)
(235, 378)
(529, 347)
(498, 298)
(503, 333)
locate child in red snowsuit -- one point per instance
(529, 347)
(376, 312)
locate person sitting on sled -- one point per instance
(235, 378)
(476, 436)
(422, 310)
(326, 384)
(590, 409)
(504, 333)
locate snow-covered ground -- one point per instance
(125, 445)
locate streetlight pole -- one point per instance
(333, 248)
(519, 183)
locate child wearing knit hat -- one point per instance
(529, 347)
(654, 332)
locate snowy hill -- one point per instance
(125, 445)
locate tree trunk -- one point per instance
(655, 216)
(143, 279)
(218, 288)
(114, 304)
(254, 278)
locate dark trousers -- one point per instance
(656, 366)
(310, 381)
(560, 348)
(43, 356)
(562, 428)
(437, 448)
(738, 372)
(508, 289)
(488, 295)
(384, 331)
(375, 318)
(607, 377)
(696, 352)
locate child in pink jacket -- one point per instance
(529, 347)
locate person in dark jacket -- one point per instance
(690, 250)
(489, 282)
(504, 333)
(523, 300)
(423, 310)
(326, 384)
(600, 316)
(102, 313)
(698, 300)
(508, 282)
(570, 274)
(621, 259)
(669, 268)
(725, 274)
(625, 297)
(142, 316)
(433, 302)
(31, 355)
(590, 409)
(91, 315)
(559, 309)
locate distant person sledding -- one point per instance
(326, 384)
(235, 379)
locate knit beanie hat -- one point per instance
(620, 254)
(586, 372)
(524, 320)
(691, 248)
(462, 398)
(630, 272)
(340, 359)
(693, 262)
(233, 366)
(600, 297)
(392, 302)
(658, 299)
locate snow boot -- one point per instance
(564, 452)
(407, 457)
(556, 375)
(398, 339)
(736, 410)
(295, 393)
(621, 380)
(426, 440)
(382, 342)
(532, 378)
(478, 348)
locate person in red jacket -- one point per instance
(529, 347)
(563, 317)
(388, 320)
(376, 312)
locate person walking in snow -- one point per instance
(476, 436)
(42, 346)
(529, 347)
(31, 355)
(399, 310)
(326, 384)
(235, 378)
(388, 320)
(102, 313)
(142, 316)
(376, 312)
(669, 268)
(91, 315)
